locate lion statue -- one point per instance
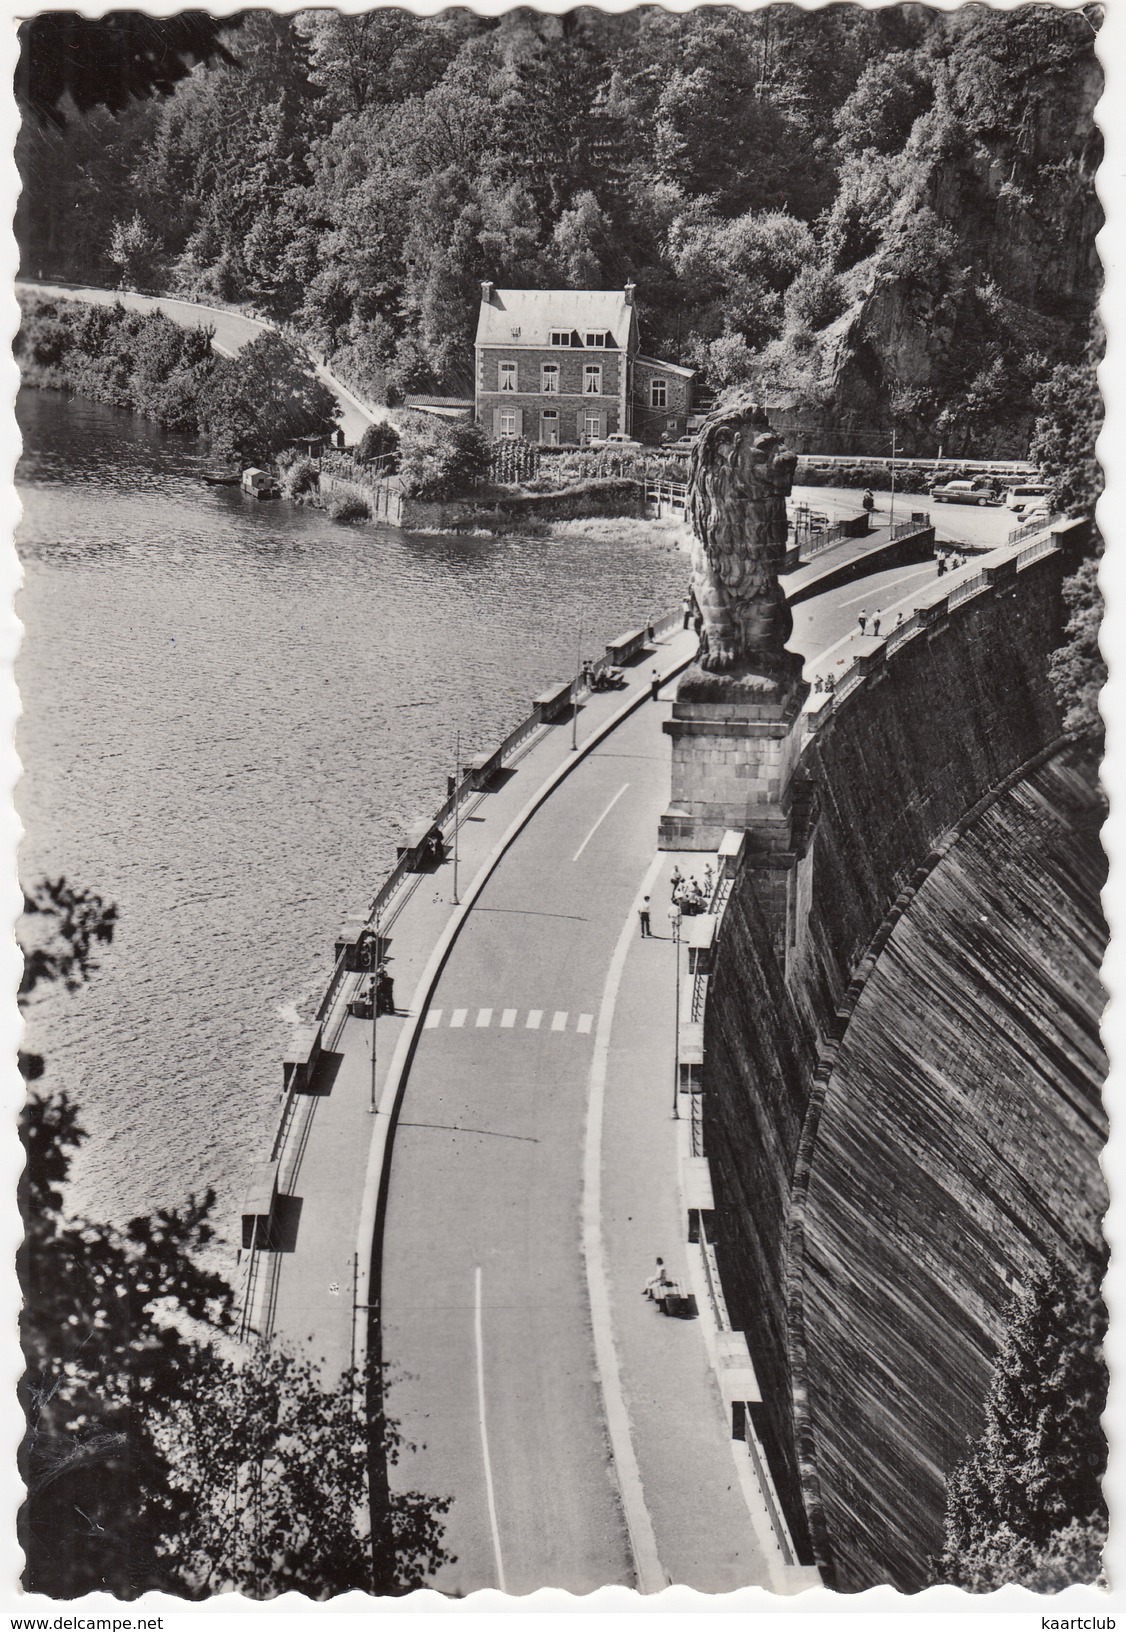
(739, 477)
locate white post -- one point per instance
(892, 522)
(676, 1042)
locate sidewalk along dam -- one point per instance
(902, 1073)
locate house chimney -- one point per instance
(630, 287)
(487, 292)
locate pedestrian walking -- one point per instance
(709, 876)
(655, 684)
(676, 881)
(686, 609)
(876, 616)
(643, 914)
(898, 619)
(942, 566)
(862, 620)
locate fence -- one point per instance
(1029, 529)
(999, 467)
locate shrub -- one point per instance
(348, 507)
(301, 476)
(377, 441)
(440, 458)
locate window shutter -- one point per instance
(519, 421)
(496, 421)
(602, 422)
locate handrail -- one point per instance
(1028, 529)
(965, 590)
(715, 1286)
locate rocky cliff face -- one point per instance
(985, 274)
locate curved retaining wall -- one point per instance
(929, 732)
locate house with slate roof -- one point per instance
(565, 365)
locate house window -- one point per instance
(596, 338)
(550, 381)
(658, 394)
(592, 379)
(561, 337)
(549, 426)
(592, 424)
(508, 423)
(508, 376)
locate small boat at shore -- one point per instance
(220, 481)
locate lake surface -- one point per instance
(231, 711)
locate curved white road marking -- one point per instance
(643, 1542)
(600, 821)
(484, 1431)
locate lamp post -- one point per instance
(675, 917)
(373, 966)
(575, 691)
(891, 522)
(457, 801)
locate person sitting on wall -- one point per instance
(658, 1285)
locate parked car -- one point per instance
(963, 493)
(616, 439)
(1024, 498)
(683, 444)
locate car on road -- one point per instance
(1027, 497)
(683, 444)
(963, 493)
(616, 439)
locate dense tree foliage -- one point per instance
(251, 405)
(847, 204)
(160, 1454)
(1026, 1505)
(1077, 668)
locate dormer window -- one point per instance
(561, 337)
(597, 338)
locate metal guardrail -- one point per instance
(699, 995)
(1029, 529)
(715, 1288)
(904, 529)
(671, 493)
(965, 591)
(1033, 552)
(903, 631)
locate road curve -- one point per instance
(232, 331)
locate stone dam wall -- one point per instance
(903, 1088)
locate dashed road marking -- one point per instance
(457, 1018)
(508, 1019)
(484, 1017)
(585, 1023)
(559, 1022)
(433, 1017)
(532, 1023)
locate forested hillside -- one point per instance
(874, 216)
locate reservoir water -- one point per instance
(230, 712)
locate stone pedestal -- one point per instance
(735, 740)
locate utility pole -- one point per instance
(457, 802)
(892, 522)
